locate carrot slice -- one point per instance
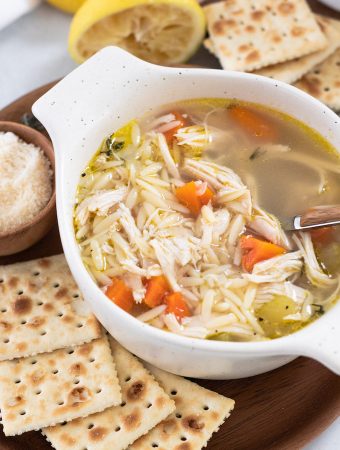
(177, 305)
(157, 288)
(323, 235)
(189, 195)
(120, 294)
(255, 250)
(253, 123)
(169, 135)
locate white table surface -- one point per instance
(33, 51)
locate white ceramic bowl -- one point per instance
(101, 95)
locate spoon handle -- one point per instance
(320, 215)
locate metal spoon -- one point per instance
(319, 216)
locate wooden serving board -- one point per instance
(280, 410)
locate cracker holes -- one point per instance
(22, 413)
(3, 310)
(63, 423)
(36, 273)
(127, 379)
(6, 341)
(20, 292)
(80, 325)
(174, 392)
(154, 445)
(56, 285)
(23, 322)
(17, 381)
(326, 89)
(60, 314)
(40, 303)
(34, 361)
(178, 416)
(91, 360)
(123, 404)
(1, 280)
(183, 438)
(76, 381)
(75, 295)
(90, 426)
(117, 429)
(206, 408)
(43, 333)
(55, 371)
(61, 403)
(98, 391)
(148, 405)
(70, 352)
(38, 392)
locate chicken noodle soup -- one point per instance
(178, 221)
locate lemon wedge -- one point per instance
(159, 31)
(70, 6)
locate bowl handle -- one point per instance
(78, 102)
(321, 341)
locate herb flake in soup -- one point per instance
(179, 218)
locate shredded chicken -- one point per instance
(276, 269)
(100, 202)
(229, 185)
(268, 226)
(135, 283)
(195, 136)
(313, 269)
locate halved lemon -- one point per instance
(159, 31)
(70, 6)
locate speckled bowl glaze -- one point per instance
(101, 95)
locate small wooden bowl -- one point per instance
(31, 232)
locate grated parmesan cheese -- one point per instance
(25, 182)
